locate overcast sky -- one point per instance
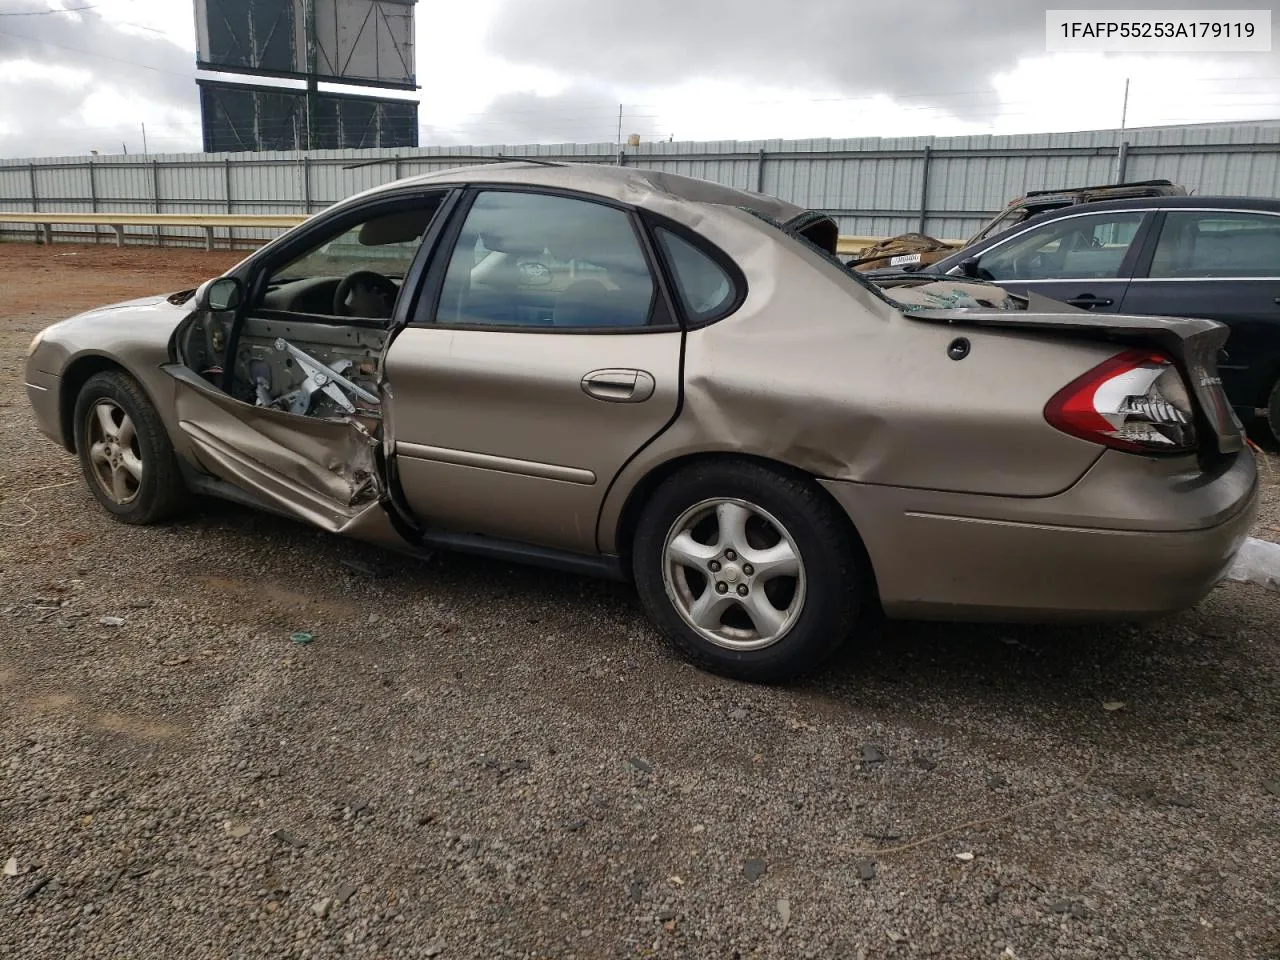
(549, 71)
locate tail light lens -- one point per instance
(1136, 401)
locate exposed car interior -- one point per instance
(319, 370)
(312, 343)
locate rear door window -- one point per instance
(1209, 244)
(541, 260)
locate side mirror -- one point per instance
(969, 268)
(221, 294)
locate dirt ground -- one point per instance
(473, 759)
(43, 283)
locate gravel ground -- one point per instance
(473, 759)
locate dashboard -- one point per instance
(309, 295)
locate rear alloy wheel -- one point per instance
(125, 452)
(733, 573)
(1273, 411)
(749, 571)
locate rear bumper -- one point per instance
(1134, 538)
(44, 393)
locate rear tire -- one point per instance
(125, 453)
(751, 572)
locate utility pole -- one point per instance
(1124, 111)
(312, 85)
(619, 140)
(144, 139)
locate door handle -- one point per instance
(619, 386)
(1087, 300)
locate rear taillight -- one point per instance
(1136, 401)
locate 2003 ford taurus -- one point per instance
(652, 377)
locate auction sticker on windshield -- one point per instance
(1158, 31)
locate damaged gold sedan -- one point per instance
(650, 377)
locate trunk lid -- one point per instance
(1193, 344)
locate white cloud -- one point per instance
(174, 19)
(1080, 91)
(493, 72)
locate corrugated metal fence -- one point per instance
(946, 187)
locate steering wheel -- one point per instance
(364, 281)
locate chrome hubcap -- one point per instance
(114, 454)
(734, 574)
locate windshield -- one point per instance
(1010, 219)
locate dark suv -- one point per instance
(1214, 257)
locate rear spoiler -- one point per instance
(1193, 343)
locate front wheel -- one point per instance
(125, 452)
(751, 572)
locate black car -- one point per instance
(1214, 257)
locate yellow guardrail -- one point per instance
(44, 221)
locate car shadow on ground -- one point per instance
(1200, 663)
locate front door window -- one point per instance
(355, 272)
(1073, 248)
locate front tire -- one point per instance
(125, 453)
(750, 572)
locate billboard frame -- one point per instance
(304, 52)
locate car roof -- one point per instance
(1264, 204)
(1162, 203)
(623, 184)
(1068, 191)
